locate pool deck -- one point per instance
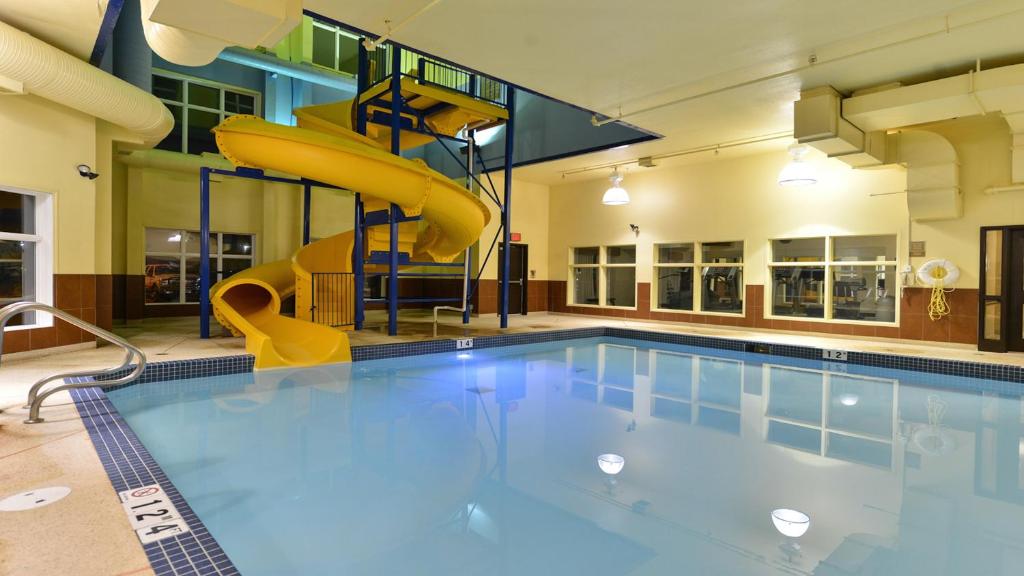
(87, 533)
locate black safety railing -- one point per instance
(434, 72)
(332, 301)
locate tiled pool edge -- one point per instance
(129, 465)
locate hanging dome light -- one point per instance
(797, 172)
(610, 464)
(616, 195)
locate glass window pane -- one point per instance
(584, 286)
(17, 276)
(163, 240)
(348, 54)
(798, 291)
(619, 366)
(993, 262)
(585, 255)
(173, 141)
(163, 279)
(860, 406)
(675, 288)
(323, 46)
(200, 138)
(232, 266)
(192, 277)
(205, 96)
(864, 248)
(621, 289)
(236, 244)
(621, 254)
(192, 243)
(993, 324)
(859, 450)
(675, 253)
(17, 213)
(236, 103)
(795, 395)
(168, 88)
(864, 293)
(722, 252)
(799, 250)
(799, 437)
(722, 289)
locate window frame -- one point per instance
(829, 264)
(698, 265)
(183, 256)
(185, 106)
(602, 267)
(44, 253)
(338, 31)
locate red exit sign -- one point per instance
(515, 236)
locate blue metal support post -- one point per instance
(506, 208)
(396, 212)
(307, 197)
(204, 252)
(358, 266)
(470, 178)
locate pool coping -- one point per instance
(129, 465)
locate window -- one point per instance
(673, 276)
(335, 49)
(168, 252)
(197, 107)
(603, 276)
(834, 278)
(26, 271)
(720, 286)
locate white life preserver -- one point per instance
(934, 271)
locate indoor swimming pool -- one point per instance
(600, 456)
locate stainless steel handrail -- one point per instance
(35, 398)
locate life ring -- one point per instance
(938, 273)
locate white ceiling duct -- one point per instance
(933, 175)
(193, 32)
(50, 73)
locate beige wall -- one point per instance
(156, 198)
(739, 199)
(530, 208)
(40, 147)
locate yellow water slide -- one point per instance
(324, 148)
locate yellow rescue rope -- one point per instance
(938, 306)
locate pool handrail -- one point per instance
(35, 398)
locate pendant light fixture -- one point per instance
(616, 195)
(797, 172)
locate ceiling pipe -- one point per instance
(275, 65)
(57, 76)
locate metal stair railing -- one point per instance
(35, 397)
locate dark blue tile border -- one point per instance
(129, 465)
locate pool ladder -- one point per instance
(35, 397)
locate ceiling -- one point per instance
(698, 73)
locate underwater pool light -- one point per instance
(610, 464)
(791, 523)
(797, 172)
(616, 195)
(464, 355)
(848, 399)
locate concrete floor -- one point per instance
(87, 532)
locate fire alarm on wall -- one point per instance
(515, 236)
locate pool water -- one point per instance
(487, 463)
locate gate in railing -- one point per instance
(332, 302)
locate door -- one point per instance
(1001, 289)
(517, 278)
